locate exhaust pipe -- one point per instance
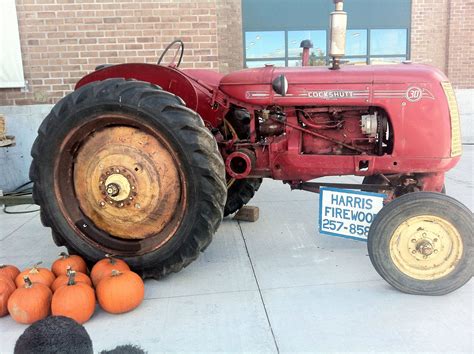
(338, 23)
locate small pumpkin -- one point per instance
(120, 292)
(105, 266)
(36, 275)
(65, 260)
(75, 300)
(7, 287)
(9, 270)
(63, 280)
(30, 303)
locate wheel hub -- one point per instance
(118, 186)
(426, 247)
(128, 183)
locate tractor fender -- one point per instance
(169, 79)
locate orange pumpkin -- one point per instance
(9, 270)
(63, 280)
(65, 260)
(7, 287)
(120, 292)
(105, 266)
(30, 303)
(36, 275)
(75, 300)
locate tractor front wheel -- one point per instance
(239, 193)
(123, 167)
(421, 243)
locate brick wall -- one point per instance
(461, 43)
(429, 32)
(62, 40)
(442, 35)
(229, 35)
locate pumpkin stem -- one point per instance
(111, 259)
(28, 283)
(68, 270)
(72, 276)
(64, 255)
(116, 272)
(34, 269)
(3, 265)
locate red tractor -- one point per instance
(142, 161)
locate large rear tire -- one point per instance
(421, 243)
(122, 167)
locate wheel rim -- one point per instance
(123, 189)
(426, 247)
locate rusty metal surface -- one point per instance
(141, 173)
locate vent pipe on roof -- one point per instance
(338, 25)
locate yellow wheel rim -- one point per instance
(426, 247)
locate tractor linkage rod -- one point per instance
(315, 186)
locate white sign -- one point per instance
(347, 213)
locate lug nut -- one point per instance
(102, 203)
(413, 240)
(137, 206)
(435, 240)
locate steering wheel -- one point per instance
(180, 49)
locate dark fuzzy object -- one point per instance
(124, 349)
(54, 334)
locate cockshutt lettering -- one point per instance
(328, 95)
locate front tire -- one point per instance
(240, 193)
(122, 167)
(421, 243)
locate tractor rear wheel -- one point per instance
(123, 167)
(421, 243)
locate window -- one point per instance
(282, 48)
(356, 43)
(378, 31)
(387, 46)
(363, 46)
(11, 67)
(388, 41)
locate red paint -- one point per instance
(411, 95)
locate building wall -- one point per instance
(62, 40)
(461, 43)
(443, 35)
(229, 35)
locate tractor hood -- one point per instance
(255, 85)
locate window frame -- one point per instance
(368, 57)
